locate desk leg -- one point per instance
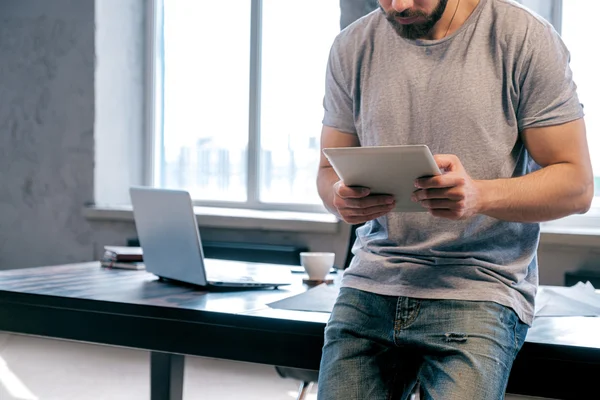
(166, 376)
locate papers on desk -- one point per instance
(580, 300)
(318, 299)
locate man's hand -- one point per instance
(356, 205)
(452, 195)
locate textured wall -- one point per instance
(46, 130)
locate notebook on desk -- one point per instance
(123, 253)
(170, 240)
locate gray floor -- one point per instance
(41, 369)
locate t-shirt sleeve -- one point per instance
(338, 103)
(548, 95)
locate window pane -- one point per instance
(541, 7)
(576, 27)
(206, 89)
(296, 43)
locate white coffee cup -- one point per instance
(317, 264)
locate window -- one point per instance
(576, 35)
(206, 98)
(242, 89)
(573, 25)
(294, 60)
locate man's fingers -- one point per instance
(351, 192)
(365, 218)
(432, 194)
(370, 201)
(440, 182)
(447, 162)
(364, 212)
(443, 205)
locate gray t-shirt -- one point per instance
(469, 94)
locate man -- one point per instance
(445, 298)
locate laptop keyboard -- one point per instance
(228, 278)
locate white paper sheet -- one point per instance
(580, 300)
(318, 299)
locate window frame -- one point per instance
(153, 141)
(590, 220)
(552, 8)
(556, 14)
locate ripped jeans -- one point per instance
(379, 347)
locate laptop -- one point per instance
(170, 240)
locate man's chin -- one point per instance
(411, 32)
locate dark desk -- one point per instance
(83, 302)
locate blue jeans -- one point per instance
(379, 347)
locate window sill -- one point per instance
(570, 237)
(573, 231)
(212, 217)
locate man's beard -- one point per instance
(416, 31)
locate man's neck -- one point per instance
(456, 14)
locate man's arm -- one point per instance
(350, 204)
(564, 186)
(326, 177)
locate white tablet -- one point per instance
(385, 170)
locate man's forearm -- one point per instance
(326, 178)
(551, 193)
